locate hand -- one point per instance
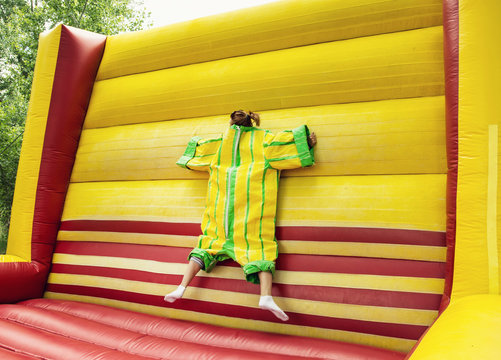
(312, 140)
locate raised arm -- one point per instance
(199, 153)
(290, 149)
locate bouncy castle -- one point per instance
(388, 246)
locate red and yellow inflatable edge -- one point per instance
(65, 71)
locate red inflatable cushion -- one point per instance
(54, 329)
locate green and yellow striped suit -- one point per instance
(244, 166)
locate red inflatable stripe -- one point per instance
(290, 262)
(451, 71)
(306, 233)
(360, 265)
(315, 293)
(142, 227)
(403, 331)
(364, 235)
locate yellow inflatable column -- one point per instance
(477, 249)
(21, 223)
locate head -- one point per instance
(242, 118)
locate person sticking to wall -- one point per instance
(239, 219)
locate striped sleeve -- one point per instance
(289, 149)
(199, 153)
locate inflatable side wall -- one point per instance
(66, 67)
(469, 327)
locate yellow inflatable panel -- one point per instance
(399, 65)
(401, 136)
(255, 30)
(21, 222)
(468, 329)
(415, 202)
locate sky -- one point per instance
(164, 12)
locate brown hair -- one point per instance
(240, 117)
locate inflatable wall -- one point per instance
(393, 230)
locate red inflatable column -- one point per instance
(451, 64)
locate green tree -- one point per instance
(21, 21)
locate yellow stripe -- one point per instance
(241, 184)
(255, 206)
(11, 259)
(129, 238)
(137, 200)
(21, 223)
(220, 200)
(356, 281)
(269, 213)
(492, 197)
(387, 251)
(415, 202)
(310, 307)
(208, 223)
(391, 343)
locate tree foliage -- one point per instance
(21, 21)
